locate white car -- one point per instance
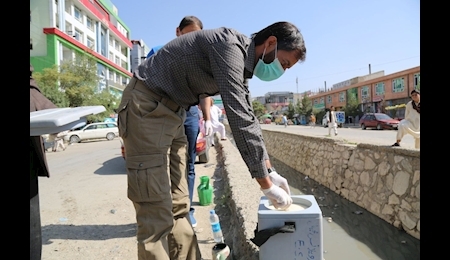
(102, 130)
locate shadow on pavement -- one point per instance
(87, 232)
(113, 166)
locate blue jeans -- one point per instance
(191, 128)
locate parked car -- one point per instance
(101, 130)
(202, 146)
(379, 121)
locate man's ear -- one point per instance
(270, 43)
(177, 32)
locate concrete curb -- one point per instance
(242, 196)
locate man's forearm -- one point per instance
(205, 106)
(265, 182)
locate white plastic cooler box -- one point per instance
(305, 243)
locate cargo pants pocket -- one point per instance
(148, 178)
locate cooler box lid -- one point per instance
(55, 120)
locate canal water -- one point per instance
(349, 231)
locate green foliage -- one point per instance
(298, 106)
(73, 84)
(47, 81)
(258, 108)
(352, 106)
(306, 106)
(290, 111)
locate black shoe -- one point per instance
(396, 144)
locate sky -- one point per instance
(342, 37)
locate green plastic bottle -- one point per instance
(205, 191)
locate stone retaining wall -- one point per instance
(383, 180)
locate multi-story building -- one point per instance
(372, 93)
(278, 101)
(138, 53)
(61, 28)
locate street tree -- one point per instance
(290, 111)
(47, 81)
(74, 83)
(306, 106)
(352, 106)
(258, 108)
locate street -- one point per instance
(350, 135)
(85, 211)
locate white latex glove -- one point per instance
(280, 181)
(279, 198)
(208, 128)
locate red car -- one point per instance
(379, 121)
(202, 146)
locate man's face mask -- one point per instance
(268, 72)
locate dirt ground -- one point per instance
(85, 213)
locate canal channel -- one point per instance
(349, 231)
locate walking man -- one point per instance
(331, 118)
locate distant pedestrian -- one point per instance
(411, 123)
(312, 121)
(331, 119)
(285, 121)
(59, 141)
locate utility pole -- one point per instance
(370, 70)
(296, 82)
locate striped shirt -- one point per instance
(207, 63)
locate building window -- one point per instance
(77, 14)
(78, 35)
(111, 42)
(329, 99)
(111, 75)
(69, 30)
(117, 45)
(416, 80)
(379, 89)
(90, 43)
(67, 6)
(124, 80)
(117, 78)
(117, 60)
(322, 100)
(342, 97)
(315, 101)
(89, 24)
(111, 56)
(365, 92)
(398, 85)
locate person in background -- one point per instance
(312, 120)
(217, 126)
(38, 168)
(411, 123)
(58, 140)
(153, 108)
(331, 119)
(285, 121)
